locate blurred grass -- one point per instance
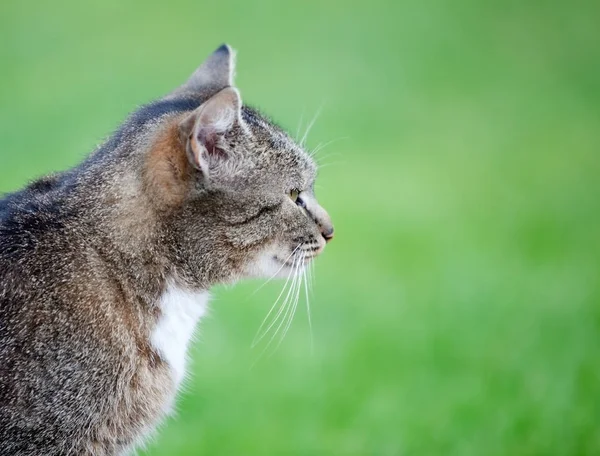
(458, 310)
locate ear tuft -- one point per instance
(215, 73)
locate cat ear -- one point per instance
(202, 132)
(215, 73)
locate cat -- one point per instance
(105, 269)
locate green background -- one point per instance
(457, 312)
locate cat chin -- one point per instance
(267, 266)
(270, 263)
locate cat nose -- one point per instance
(320, 217)
(327, 232)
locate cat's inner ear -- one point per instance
(203, 130)
(214, 74)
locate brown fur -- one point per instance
(167, 171)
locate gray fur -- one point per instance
(86, 254)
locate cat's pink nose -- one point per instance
(327, 232)
(321, 218)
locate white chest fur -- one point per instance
(181, 310)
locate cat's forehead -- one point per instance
(277, 143)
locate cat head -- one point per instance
(236, 191)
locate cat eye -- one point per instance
(294, 195)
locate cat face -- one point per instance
(249, 208)
(276, 184)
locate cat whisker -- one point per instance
(329, 155)
(299, 125)
(287, 306)
(283, 308)
(278, 271)
(312, 276)
(324, 165)
(281, 313)
(310, 125)
(306, 286)
(260, 335)
(301, 275)
(294, 302)
(322, 146)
